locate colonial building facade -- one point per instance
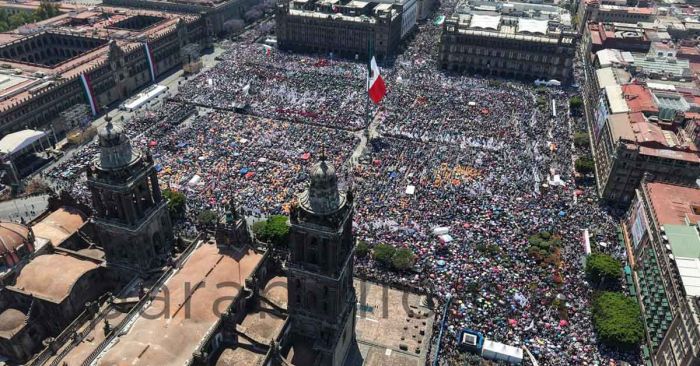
(344, 27)
(322, 301)
(59, 68)
(507, 46)
(628, 145)
(661, 235)
(133, 223)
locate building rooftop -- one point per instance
(11, 321)
(606, 77)
(12, 236)
(485, 21)
(170, 334)
(616, 99)
(610, 57)
(674, 205)
(128, 28)
(344, 10)
(684, 240)
(673, 67)
(52, 276)
(59, 225)
(626, 9)
(677, 209)
(639, 99)
(512, 20)
(534, 26)
(635, 130)
(689, 269)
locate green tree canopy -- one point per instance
(575, 102)
(362, 249)
(584, 165)
(581, 139)
(543, 244)
(602, 270)
(617, 320)
(45, 10)
(176, 203)
(383, 253)
(274, 230)
(402, 259)
(207, 217)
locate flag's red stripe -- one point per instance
(377, 90)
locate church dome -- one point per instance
(322, 196)
(115, 147)
(11, 320)
(111, 134)
(12, 236)
(323, 176)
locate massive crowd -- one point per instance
(471, 159)
(284, 87)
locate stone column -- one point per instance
(97, 202)
(130, 214)
(155, 188)
(146, 193)
(139, 206)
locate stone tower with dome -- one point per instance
(131, 216)
(322, 300)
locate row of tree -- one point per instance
(9, 21)
(616, 317)
(399, 259)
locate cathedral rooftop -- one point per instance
(170, 334)
(52, 276)
(11, 321)
(59, 225)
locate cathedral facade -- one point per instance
(322, 301)
(131, 215)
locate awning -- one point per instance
(17, 141)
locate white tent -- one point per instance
(194, 180)
(441, 230)
(410, 189)
(17, 141)
(445, 238)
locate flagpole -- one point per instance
(370, 51)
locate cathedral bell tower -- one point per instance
(131, 216)
(322, 301)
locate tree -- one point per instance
(584, 165)
(46, 10)
(362, 249)
(402, 259)
(383, 253)
(207, 217)
(176, 203)
(581, 139)
(603, 270)
(616, 319)
(575, 102)
(543, 244)
(273, 231)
